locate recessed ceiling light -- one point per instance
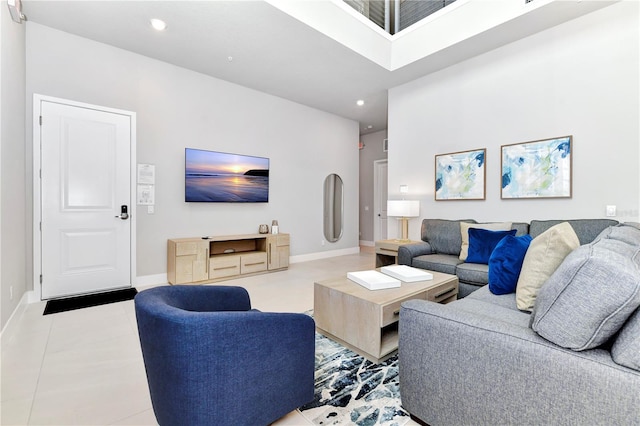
(158, 24)
(369, 126)
(359, 102)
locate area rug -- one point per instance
(351, 390)
(89, 300)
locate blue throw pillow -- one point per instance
(482, 242)
(505, 263)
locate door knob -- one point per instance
(124, 214)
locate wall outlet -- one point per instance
(151, 209)
(611, 211)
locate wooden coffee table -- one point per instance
(366, 321)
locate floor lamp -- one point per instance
(403, 209)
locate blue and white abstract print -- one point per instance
(538, 169)
(461, 176)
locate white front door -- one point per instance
(85, 189)
(380, 174)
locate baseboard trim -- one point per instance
(33, 297)
(6, 333)
(151, 280)
(367, 243)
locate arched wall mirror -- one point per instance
(333, 209)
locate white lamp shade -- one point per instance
(403, 208)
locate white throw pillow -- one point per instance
(546, 252)
(464, 233)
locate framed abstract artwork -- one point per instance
(538, 169)
(461, 175)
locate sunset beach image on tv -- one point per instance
(212, 176)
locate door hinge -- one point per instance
(41, 279)
(40, 226)
(41, 120)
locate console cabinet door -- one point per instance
(278, 246)
(188, 261)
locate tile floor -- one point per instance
(85, 367)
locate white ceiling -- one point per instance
(276, 50)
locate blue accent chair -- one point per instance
(212, 360)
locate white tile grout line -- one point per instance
(35, 391)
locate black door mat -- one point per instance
(89, 300)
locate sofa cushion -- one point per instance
(623, 232)
(464, 233)
(473, 273)
(504, 300)
(437, 262)
(626, 349)
(591, 295)
(586, 229)
(505, 263)
(522, 228)
(546, 252)
(443, 235)
(496, 311)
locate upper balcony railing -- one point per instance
(395, 15)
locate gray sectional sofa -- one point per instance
(575, 360)
(442, 241)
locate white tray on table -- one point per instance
(406, 273)
(373, 280)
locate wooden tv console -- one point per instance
(199, 260)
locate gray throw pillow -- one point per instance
(626, 233)
(443, 235)
(626, 349)
(591, 295)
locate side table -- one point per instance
(387, 251)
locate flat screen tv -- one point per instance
(220, 177)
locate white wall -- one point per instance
(177, 108)
(13, 265)
(580, 78)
